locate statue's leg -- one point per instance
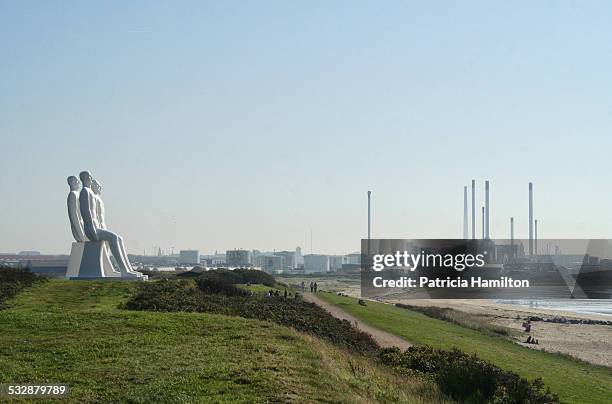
(113, 243)
(124, 253)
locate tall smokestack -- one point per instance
(465, 213)
(487, 209)
(369, 226)
(483, 222)
(530, 219)
(473, 209)
(512, 236)
(536, 238)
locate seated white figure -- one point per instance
(74, 213)
(95, 228)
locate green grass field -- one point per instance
(573, 381)
(72, 332)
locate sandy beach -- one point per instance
(591, 343)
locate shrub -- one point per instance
(255, 276)
(220, 286)
(222, 275)
(12, 280)
(165, 295)
(240, 275)
(467, 378)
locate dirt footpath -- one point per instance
(383, 338)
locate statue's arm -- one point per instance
(85, 203)
(71, 203)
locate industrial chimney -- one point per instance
(487, 209)
(369, 197)
(536, 238)
(465, 213)
(483, 222)
(530, 219)
(473, 209)
(512, 236)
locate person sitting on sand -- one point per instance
(527, 325)
(528, 340)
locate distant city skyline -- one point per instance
(215, 126)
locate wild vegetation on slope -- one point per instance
(461, 376)
(72, 332)
(185, 295)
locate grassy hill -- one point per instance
(573, 381)
(72, 332)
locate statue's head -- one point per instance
(96, 187)
(86, 178)
(74, 183)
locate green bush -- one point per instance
(12, 280)
(218, 286)
(165, 295)
(222, 275)
(467, 378)
(240, 275)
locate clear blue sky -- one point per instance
(216, 125)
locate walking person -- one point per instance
(315, 287)
(303, 286)
(311, 286)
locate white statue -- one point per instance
(97, 189)
(91, 205)
(74, 212)
(100, 220)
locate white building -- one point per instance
(288, 259)
(270, 263)
(238, 258)
(189, 257)
(316, 263)
(335, 262)
(299, 258)
(354, 259)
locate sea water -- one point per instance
(590, 306)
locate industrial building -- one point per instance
(189, 257)
(314, 263)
